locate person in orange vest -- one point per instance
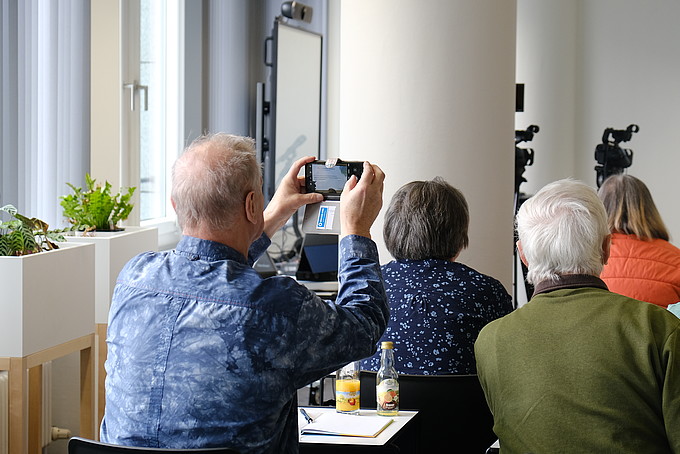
(643, 264)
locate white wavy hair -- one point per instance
(562, 229)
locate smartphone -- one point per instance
(328, 178)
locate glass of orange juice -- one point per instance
(347, 388)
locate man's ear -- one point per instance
(251, 208)
(606, 248)
(521, 253)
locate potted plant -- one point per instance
(46, 313)
(47, 286)
(95, 212)
(96, 208)
(23, 235)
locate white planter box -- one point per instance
(113, 251)
(46, 299)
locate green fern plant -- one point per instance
(96, 208)
(23, 235)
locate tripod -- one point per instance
(523, 157)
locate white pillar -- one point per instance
(427, 89)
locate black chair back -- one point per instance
(77, 445)
(453, 413)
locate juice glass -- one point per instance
(347, 389)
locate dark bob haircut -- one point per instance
(426, 220)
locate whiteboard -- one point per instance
(297, 100)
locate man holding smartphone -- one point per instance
(203, 352)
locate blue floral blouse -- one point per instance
(437, 309)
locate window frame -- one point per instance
(113, 157)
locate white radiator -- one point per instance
(4, 412)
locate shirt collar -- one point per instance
(570, 281)
(197, 248)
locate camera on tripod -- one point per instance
(523, 156)
(611, 158)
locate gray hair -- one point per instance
(562, 229)
(211, 179)
(426, 220)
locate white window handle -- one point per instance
(134, 87)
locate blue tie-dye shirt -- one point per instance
(437, 309)
(202, 352)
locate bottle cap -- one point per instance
(387, 345)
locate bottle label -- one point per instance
(388, 395)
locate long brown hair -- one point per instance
(631, 209)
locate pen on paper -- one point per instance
(306, 415)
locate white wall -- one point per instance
(631, 74)
(591, 65)
(426, 89)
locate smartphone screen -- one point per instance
(329, 179)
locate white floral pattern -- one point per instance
(437, 309)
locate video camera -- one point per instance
(523, 156)
(611, 158)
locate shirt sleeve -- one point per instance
(331, 335)
(670, 395)
(486, 362)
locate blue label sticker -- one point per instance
(322, 219)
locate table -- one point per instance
(395, 437)
(327, 290)
(26, 398)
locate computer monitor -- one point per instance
(319, 258)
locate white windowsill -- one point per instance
(168, 232)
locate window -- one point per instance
(153, 102)
(44, 104)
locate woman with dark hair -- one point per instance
(437, 305)
(642, 264)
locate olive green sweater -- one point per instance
(582, 370)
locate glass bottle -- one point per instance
(387, 382)
(347, 388)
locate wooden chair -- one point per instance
(454, 415)
(77, 445)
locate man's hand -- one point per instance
(289, 196)
(361, 201)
